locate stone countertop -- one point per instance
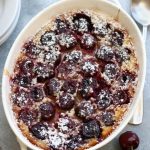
(29, 9)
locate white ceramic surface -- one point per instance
(42, 19)
(4, 35)
(9, 14)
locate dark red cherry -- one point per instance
(43, 72)
(104, 53)
(129, 140)
(88, 87)
(101, 29)
(28, 116)
(89, 68)
(107, 118)
(73, 57)
(69, 86)
(126, 78)
(88, 42)
(61, 25)
(67, 40)
(74, 142)
(31, 49)
(26, 66)
(91, 129)
(85, 109)
(122, 54)
(82, 23)
(117, 37)
(48, 38)
(52, 87)
(66, 101)
(104, 99)
(66, 124)
(66, 70)
(47, 110)
(52, 57)
(37, 93)
(22, 80)
(39, 130)
(121, 97)
(21, 97)
(110, 71)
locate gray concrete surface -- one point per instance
(29, 9)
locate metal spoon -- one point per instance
(140, 10)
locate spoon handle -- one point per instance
(138, 114)
(144, 34)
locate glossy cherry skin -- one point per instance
(47, 110)
(37, 94)
(91, 129)
(28, 116)
(66, 101)
(129, 140)
(74, 142)
(39, 130)
(82, 23)
(117, 37)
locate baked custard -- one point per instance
(74, 81)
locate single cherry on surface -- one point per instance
(129, 140)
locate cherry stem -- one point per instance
(132, 148)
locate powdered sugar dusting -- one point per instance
(81, 25)
(67, 39)
(89, 67)
(74, 56)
